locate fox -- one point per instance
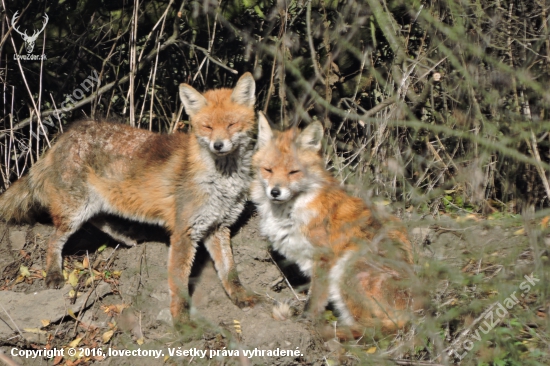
(194, 184)
(357, 259)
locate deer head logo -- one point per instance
(29, 40)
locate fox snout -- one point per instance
(278, 194)
(221, 147)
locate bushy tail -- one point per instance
(18, 202)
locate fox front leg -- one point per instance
(180, 260)
(318, 291)
(218, 245)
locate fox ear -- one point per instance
(243, 93)
(192, 100)
(310, 138)
(264, 130)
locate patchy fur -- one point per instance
(180, 181)
(356, 259)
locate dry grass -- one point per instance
(441, 108)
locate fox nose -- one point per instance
(218, 145)
(275, 192)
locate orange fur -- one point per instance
(193, 184)
(356, 257)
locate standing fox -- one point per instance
(193, 184)
(355, 260)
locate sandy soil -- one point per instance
(135, 304)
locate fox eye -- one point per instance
(293, 172)
(207, 127)
(268, 170)
(232, 124)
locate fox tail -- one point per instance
(25, 196)
(19, 201)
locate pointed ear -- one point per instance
(192, 100)
(243, 93)
(265, 134)
(310, 138)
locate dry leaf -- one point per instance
(109, 309)
(120, 307)
(71, 313)
(116, 273)
(519, 232)
(75, 294)
(371, 350)
(34, 330)
(19, 279)
(24, 271)
(140, 341)
(57, 360)
(106, 337)
(45, 322)
(237, 325)
(86, 263)
(75, 342)
(73, 278)
(466, 218)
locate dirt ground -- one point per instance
(129, 308)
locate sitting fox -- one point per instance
(355, 259)
(194, 184)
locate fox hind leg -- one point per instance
(54, 260)
(218, 245)
(68, 213)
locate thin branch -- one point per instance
(207, 54)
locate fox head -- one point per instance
(288, 163)
(222, 119)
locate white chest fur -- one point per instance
(225, 185)
(283, 225)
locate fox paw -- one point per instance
(182, 323)
(245, 299)
(179, 309)
(55, 279)
(188, 330)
